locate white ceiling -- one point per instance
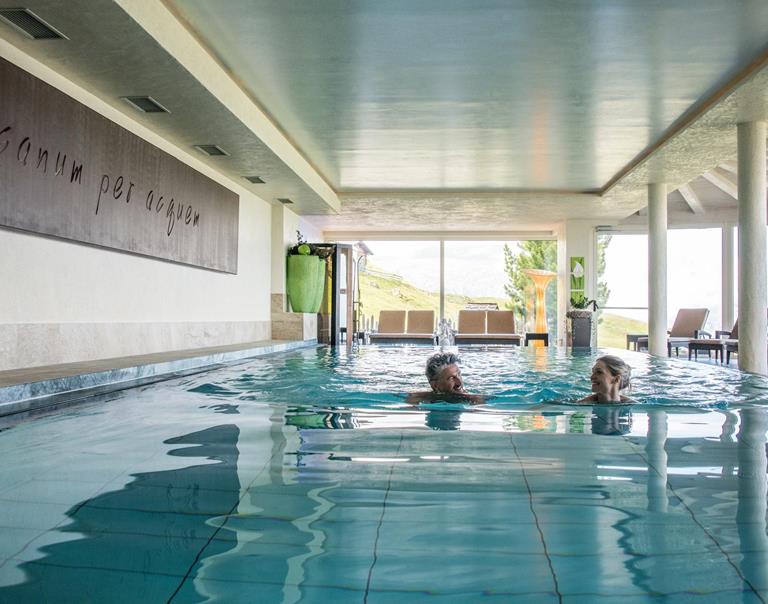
(461, 94)
(436, 114)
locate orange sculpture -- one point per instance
(541, 279)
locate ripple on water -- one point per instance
(381, 377)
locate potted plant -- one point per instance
(305, 281)
(580, 331)
(581, 307)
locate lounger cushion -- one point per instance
(688, 321)
(421, 322)
(471, 322)
(392, 321)
(501, 322)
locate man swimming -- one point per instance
(444, 377)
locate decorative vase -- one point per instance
(317, 302)
(305, 283)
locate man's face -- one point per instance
(449, 381)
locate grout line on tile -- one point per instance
(243, 493)
(381, 520)
(536, 519)
(704, 529)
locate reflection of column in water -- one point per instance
(656, 488)
(726, 436)
(750, 512)
(262, 445)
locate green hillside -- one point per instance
(379, 291)
(612, 331)
(384, 291)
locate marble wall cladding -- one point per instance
(278, 303)
(37, 344)
(291, 325)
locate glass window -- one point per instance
(399, 275)
(491, 274)
(694, 280)
(694, 275)
(624, 285)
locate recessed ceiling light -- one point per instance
(28, 23)
(211, 149)
(145, 103)
(254, 179)
(284, 200)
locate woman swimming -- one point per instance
(610, 375)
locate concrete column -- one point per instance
(657, 269)
(575, 238)
(753, 351)
(442, 280)
(728, 275)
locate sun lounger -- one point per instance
(421, 326)
(688, 325)
(392, 327)
(487, 327)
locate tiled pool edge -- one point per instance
(34, 396)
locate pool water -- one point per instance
(305, 477)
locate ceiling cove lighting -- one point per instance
(257, 180)
(29, 24)
(212, 150)
(145, 103)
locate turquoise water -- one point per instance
(304, 477)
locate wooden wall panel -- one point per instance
(66, 171)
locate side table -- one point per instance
(535, 335)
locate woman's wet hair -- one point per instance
(618, 367)
(437, 362)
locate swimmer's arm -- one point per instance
(414, 398)
(476, 399)
(592, 398)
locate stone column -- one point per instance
(657, 269)
(442, 280)
(753, 354)
(728, 277)
(575, 238)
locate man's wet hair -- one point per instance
(437, 362)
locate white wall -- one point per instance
(65, 302)
(308, 230)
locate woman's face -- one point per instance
(602, 380)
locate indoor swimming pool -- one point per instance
(305, 477)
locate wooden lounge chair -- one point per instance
(501, 327)
(471, 326)
(688, 325)
(391, 326)
(487, 327)
(421, 326)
